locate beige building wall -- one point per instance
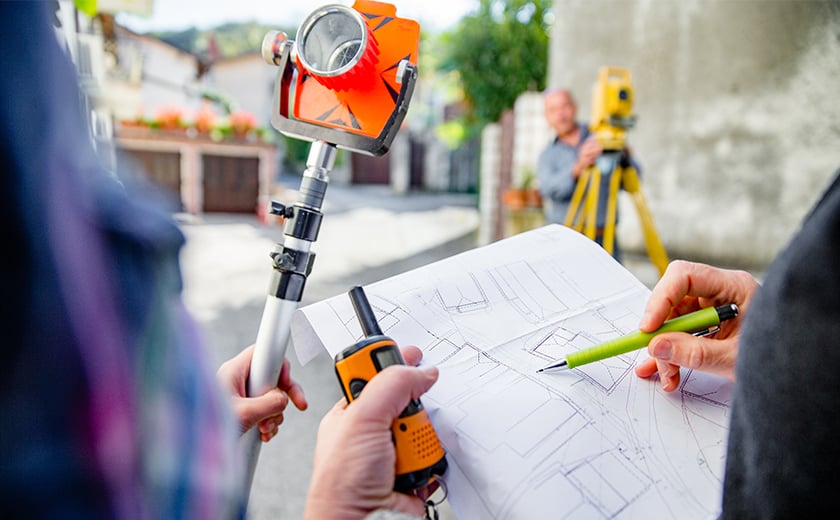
(169, 77)
(489, 208)
(738, 106)
(248, 80)
(532, 134)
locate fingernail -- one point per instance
(645, 323)
(663, 349)
(429, 370)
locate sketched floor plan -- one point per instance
(594, 442)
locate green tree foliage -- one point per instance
(499, 52)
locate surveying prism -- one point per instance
(348, 78)
(612, 116)
(345, 82)
(420, 457)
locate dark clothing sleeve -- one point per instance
(108, 407)
(783, 446)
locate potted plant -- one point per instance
(242, 122)
(205, 119)
(169, 118)
(526, 195)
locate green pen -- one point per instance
(694, 322)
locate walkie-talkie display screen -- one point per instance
(385, 357)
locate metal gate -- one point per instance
(231, 184)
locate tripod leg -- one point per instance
(590, 216)
(612, 209)
(574, 218)
(655, 249)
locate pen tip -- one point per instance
(561, 365)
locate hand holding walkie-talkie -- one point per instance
(420, 457)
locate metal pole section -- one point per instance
(292, 262)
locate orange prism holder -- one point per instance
(349, 71)
(365, 108)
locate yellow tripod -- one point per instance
(611, 116)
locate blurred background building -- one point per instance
(737, 133)
(737, 128)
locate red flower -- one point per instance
(170, 118)
(242, 122)
(205, 119)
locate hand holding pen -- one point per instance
(699, 323)
(686, 287)
(676, 333)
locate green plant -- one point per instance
(239, 123)
(528, 179)
(498, 52)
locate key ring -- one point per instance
(431, 505)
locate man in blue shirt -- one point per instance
(566, 156)
(573, 149)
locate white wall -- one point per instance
(169, 77)
(532, 134)
(488, 202)
(248, 80)
(739, 120)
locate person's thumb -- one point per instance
(686, 350)
(252, 410)
(387, 394)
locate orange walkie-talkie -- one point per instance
(420, 457)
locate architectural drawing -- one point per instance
(594, 442)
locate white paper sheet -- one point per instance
(594, 442)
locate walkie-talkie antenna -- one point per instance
(364, 312)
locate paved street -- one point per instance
(368, 234)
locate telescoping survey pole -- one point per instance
(291, 263)
(345, 82)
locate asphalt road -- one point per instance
(368, 234)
